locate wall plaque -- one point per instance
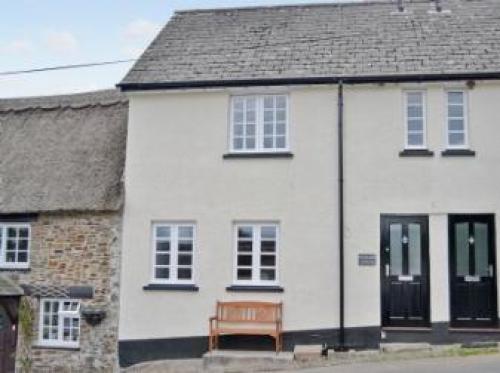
(367, 259)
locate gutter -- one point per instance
(353, 79)
(340, 139)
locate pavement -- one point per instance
(470, 364)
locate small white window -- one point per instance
(59, 323)
(415, 120)
(457, 136)
(256, 257)
(14, 245)
(173, 253)
(259, 123)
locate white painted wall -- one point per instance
(378, 181)
(175, 171)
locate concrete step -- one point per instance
(404, 347)
(307, 352)
(246, 361)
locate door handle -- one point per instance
(387, 270)
(490, 270)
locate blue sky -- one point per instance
(42, 33)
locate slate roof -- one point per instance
(323, 40)
(62, 153)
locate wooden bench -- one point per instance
(247, 318)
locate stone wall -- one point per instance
(76, 249)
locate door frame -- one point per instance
(425, 264)
(488, 218)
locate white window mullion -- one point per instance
(4, 245)
(255, 257)
(174, 253)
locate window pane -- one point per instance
(244, 260)
(23, 232)
(162, 273)
(415, 139)
(462, 246)
(250, 116)
(268, 260)
(245, 246)
(268, 142)
(238, 104)
(268, 232)
(455, 97)
(456, 124)
(245, 232)
(481, 249)
(268, 102)
(280, 142)
(162, 231)
(456, 111)
(268, 129)
(268, 116)
(186, 232)
(238, 130)
(281, 115)
(281, 129)
(416, 125)
(267, 274)
(268, 246)
(22, 257)
(238, 143)
(250, 130)
(250, 143)
(162, 259)
(11, 233)
(185, 246)
(414, 248)
(184, 273)
(414, 98)
(11, 257)
(281, 102)
(244, 274)
(185, 259)
(415, 111)
(456, 138)
(238, 116)
(396, 249)
(163, 246)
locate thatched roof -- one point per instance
(62, 153)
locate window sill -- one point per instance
(42, 346)
(416, 153)
(250, 155)
(458, 153)
(17, 269)
(170, 287)
(256, 288)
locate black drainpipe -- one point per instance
(342, 345)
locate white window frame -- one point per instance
(4, 226)
(61, 314)
(174, 253)
(256, 252)
(259, 124)
(424, 119)
(465, 145)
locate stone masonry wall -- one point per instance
(77, 249)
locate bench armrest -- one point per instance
(211, 322)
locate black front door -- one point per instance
(405, 271)
(473, 293)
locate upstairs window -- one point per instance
(259, 123)
(457, 120)
(256, 254)
(14, 245)
(415, 120)
(173, 253)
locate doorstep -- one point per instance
(250, 361)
